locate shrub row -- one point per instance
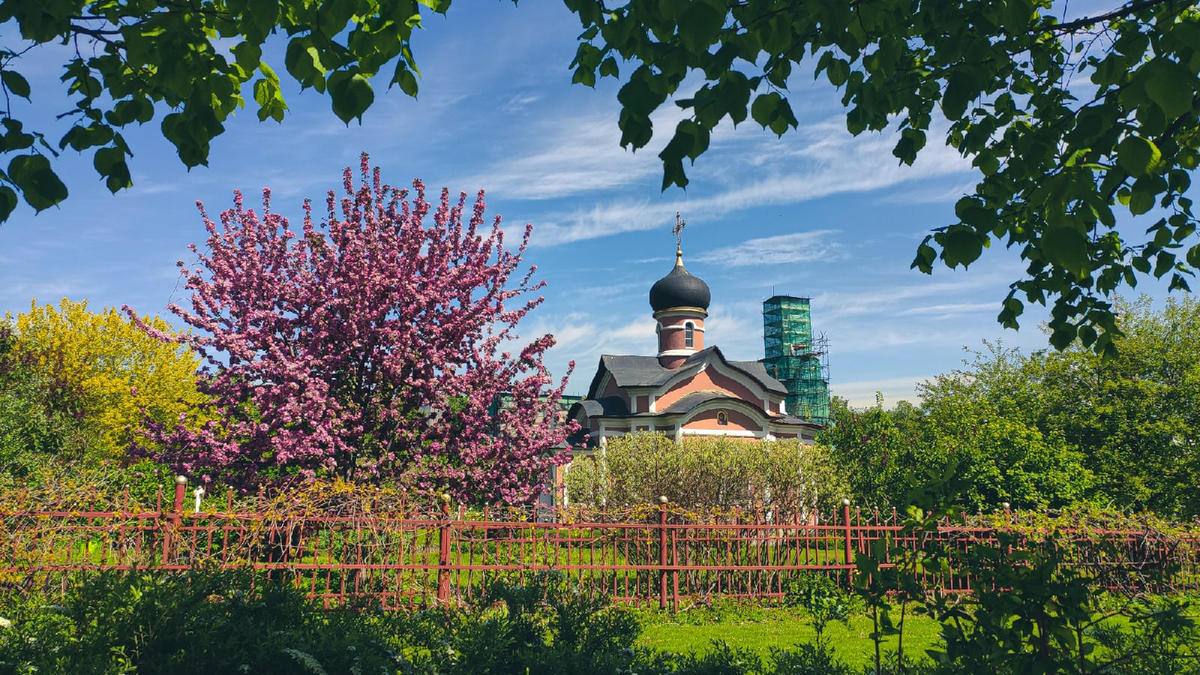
(220, 622)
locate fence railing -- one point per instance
(416, 560)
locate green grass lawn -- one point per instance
(779, 628)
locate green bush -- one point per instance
(543, 624)
(819, 596)
(707, 472)
(191, 622)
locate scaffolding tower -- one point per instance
(796, 357)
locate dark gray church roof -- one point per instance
(646, 371)
(691, 401)
(609, 406)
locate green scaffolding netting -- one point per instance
(796, 357)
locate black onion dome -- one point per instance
(679, 289)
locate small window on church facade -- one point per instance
(723, 418)
(689, 335)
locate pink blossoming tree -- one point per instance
(370, 345)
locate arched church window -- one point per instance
(689, 335)
(722, 418)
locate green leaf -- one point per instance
(1163, 263)
(14, 137)
(37, 181)
(608, 68)
(924, 258)
(1008, 315)
(961, 246)
(260, 18)
(406, 79)
(1066, 247)
(1168, 85)
(1193, 256)
(270, 99)
(784, 118)
(1145, 190)
(351, 94)
(110, 163)
(8, 202)
(673, 174)
(585, 76)
(699, 26)
(1138, 156)
(1062, 335)
(1087, 335)
(636, 129)
(773, 111)
(248, 56)
(960, 89)
(303, 61)
(640, 94)
(189, 139)
(764, 108)
(910, 143)
(15, 83)
(838, 72)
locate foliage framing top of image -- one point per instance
(133, 57)
(1064, 119)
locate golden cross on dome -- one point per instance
(680, 223)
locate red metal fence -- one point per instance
(416, 560)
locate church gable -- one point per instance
(715, 374)
(723, 422)
(609, 387)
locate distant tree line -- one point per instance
(1046, 429)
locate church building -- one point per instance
(686, 388)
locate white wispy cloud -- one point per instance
(831, 161)
(952, 310)
(519, 101)
(777, 250)
(900, 299)
(582, 339)
(934, 194)
(572, 156)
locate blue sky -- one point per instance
(817, 213)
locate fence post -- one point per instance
(662, 552)
(443, 591)
(849, 534)
(171, 520)
(1007, 523)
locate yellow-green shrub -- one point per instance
(114, 374)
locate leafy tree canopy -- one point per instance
(132, 59)
(1048, 428)
(990, 458)
(1069, 122)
